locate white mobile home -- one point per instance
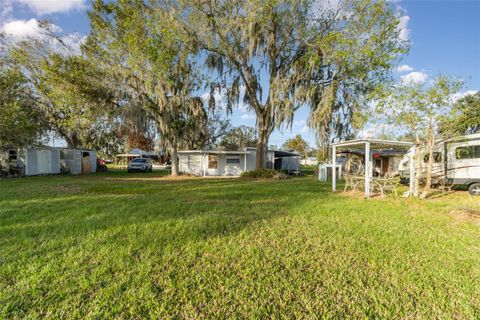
(233, 163)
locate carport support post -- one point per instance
(334, 168)
(411, 190)
(367, 169)
(245, 162)
(204, 165)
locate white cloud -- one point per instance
(18, 30)
(299, 123)
(74, 40)
(248, 116)
(25, 28)
(460, 95)
(304, 129)
(404, 68)
(414, 77)
(403, 28)
(41, 7)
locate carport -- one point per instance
(369, 145)
(286, 160)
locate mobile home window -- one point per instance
(233, 160)
(467, 152)
(212, 161)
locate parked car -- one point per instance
(140, 164)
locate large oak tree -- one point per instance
(281, 54)
(139, 46)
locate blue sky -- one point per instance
(444, 35)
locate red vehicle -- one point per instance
(101, 165)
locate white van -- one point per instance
(456, 160)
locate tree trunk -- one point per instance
(418, 168)
(262, 144)
(430, 142)
(173, 160)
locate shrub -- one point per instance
(264, 174)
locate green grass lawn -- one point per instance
(123, 246)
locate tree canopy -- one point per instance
(68, 92)
(238, 138)
(419, 108)
(140, 47)
(20, 121)
(464, 118)
(298, 144)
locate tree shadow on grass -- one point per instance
(111, 249)
(53, 241)
(148, 214)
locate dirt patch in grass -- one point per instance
(466, 213)
(65, 188)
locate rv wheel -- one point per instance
(474, 189)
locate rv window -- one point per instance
(212, 161)
(467, 152)
(437, 157)
(233, 160)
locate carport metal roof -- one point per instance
(213, 152)
(282, 153)
(374, 143)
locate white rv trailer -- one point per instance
(455, 160)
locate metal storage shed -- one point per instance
(40, 160)
(78, 161)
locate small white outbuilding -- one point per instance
(45, 160)
(34, 161)
(78, 161)
(233, 163)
